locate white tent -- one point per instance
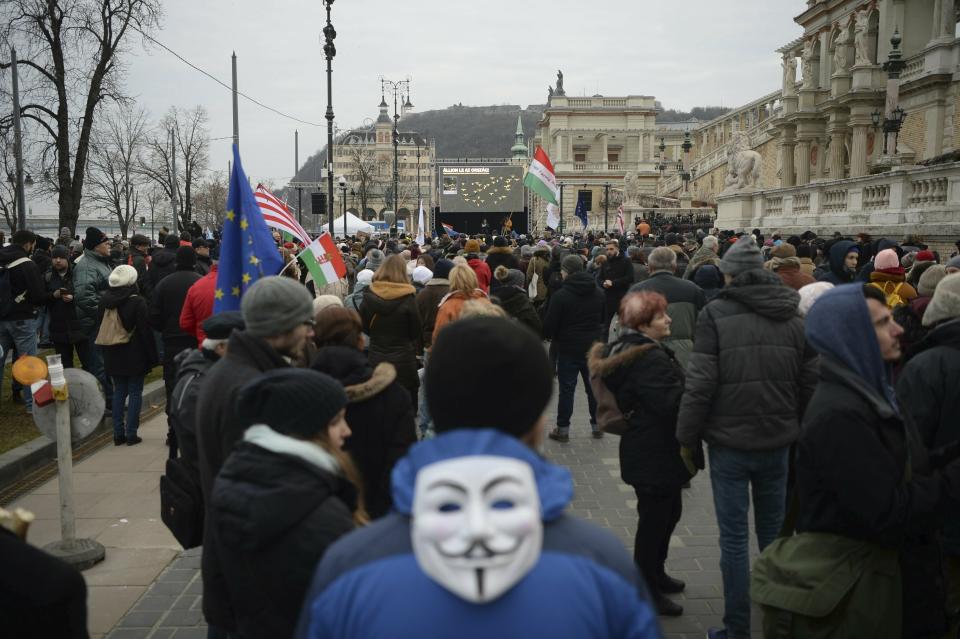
(354, 225)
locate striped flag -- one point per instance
(449, 230)
(278, 216)
(620, 218)
(540, 177)
(323, 260)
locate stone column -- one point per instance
(858, 151)
(837, 139)
(803, 168)
(787, 148)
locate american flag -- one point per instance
(620, 218)
(278, 216)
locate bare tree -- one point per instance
(366, 173)
(191, 145)
(116, 180)
(210, 199)
(70, 64)
(8, 195)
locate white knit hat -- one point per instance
(946, 301)
(123, 275)
(809, 295)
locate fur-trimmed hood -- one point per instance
(603, 364)
(383, 375)
(506, 250)
(351, 368)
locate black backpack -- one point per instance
(8, 301)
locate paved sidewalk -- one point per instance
(146, 589)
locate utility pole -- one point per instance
(329, 51)
(236, 110)
(18, 145)
(296, 169)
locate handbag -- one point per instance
(532, 287)
(181, 505)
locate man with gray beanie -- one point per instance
(574, 321)
(278, 315)
(748, 410)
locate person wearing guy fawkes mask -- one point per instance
(478, 543)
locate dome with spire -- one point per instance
(384, 117)
(519, 148)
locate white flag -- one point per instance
(420, 238)
(553, 216)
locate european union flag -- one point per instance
(581, 212)
(247, 249)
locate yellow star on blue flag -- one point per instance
(247, 249)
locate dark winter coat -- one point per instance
(25, 278)
(751, 372)
(390, 318)
(854, 477)
(647, 381)
(91, 274)
(274, 515)
(516, 302)
(163, 263)
(428, 302)
(619, 270)
(138, 261)
(380, 415)
(192, 365)
(204, 264)
(539, 264)
(219, 427)
(684, 301)
(837, 273)
(574, 316)
(137, 357)
(500, 256)
(167, 303)
(64, 327)
(928, 392)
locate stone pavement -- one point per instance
(146, 589)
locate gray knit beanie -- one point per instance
(930, 278)
(374, 259)
(946, 301)
(571, 264)
(742, 256)
(275, 305)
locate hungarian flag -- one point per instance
(323, 260)
(540, 177)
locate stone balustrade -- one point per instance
(914, 199)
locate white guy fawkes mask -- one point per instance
(476, 524)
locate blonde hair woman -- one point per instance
(463, 288)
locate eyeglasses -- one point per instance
(311, 323)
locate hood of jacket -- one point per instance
(194, 362)
(838, 255)
(438, 281)
(269, 484)
(604, 359)
(764, 293)
(839, 326)
(391, 290)
(115, 298)
(554, 483)
(502, 250)
(542, 251)
(11, 253)
(163, 258)
(943, 334)
(351, 368)
(507, 294)
(580, 284)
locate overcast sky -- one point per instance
(689, 53)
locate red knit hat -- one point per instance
(925, 256)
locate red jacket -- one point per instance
(483, 273)
(198, 305)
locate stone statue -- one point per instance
(743, 164)
(631, 188)
(549, 92)
(789, 75)
(809, 48)
(861, 37)
(840, 42)
(559, 90)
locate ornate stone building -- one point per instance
(365, 158)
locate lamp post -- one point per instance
(397, 88)
(329, 51)
(561, 185)
(894, 115)
(343, 197)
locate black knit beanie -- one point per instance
(487, 348)
(186, 258)
(293, 401)
(94, 238)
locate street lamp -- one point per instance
(343, 197)
(893, 120)
(329, 51)
(396, 87)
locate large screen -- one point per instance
(481, 189)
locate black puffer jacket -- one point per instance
(380, 416)
(25, 281)
(390, 318)
(274, 515)
(751, 372)
(500, 256)
(64, 325)
(138, 356)
(167, 302)
(192, 365)
(574, 316)
(164, 263)
(619, 270)
(516, 302)
(647, 381)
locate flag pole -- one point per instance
(236, 110)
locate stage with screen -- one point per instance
(472, 195)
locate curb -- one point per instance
(19, 462)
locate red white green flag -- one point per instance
(323, 260)
(540, 177)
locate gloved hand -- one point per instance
(692, 458)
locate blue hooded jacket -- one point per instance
(838, 325)
(837, 272)
(583, 585)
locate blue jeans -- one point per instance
(19, 335)
(426, 422)
(568, 369)
(129, 389)
(733, 474)
(91, 359)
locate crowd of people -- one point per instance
(366, 455)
